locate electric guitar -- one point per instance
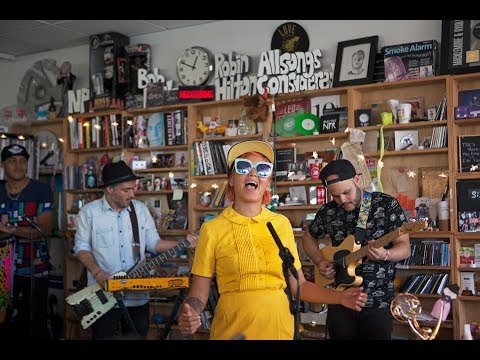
(348, 255)
(93, 302)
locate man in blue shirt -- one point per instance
(105, 245)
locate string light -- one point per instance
(332, 140)
(411, 173)
(193, 185)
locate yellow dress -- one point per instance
(245, 258)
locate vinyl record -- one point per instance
(286, 125)
(307, 124)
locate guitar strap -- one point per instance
(136, 236)
(365, 207)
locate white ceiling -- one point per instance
(26, 37)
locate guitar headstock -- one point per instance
(416, 225)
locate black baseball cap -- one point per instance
(343, 168)
(14, 150)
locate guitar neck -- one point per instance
(362, 252)
(152, 264)
(404, 229)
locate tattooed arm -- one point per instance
(189, 319)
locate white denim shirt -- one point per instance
(108, 235)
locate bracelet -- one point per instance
(98, 272)
(387, 255)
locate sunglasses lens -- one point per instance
(264, 169)
(243, 167)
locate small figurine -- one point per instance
(442, 305)
(66, 79)
(52, 109)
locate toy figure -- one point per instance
(66, 79)
(442, 305)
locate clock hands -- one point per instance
(191, 66)
(184, 63)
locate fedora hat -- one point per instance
(117, 172)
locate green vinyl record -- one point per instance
(286, 125)
(307, 124)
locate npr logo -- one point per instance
(329, 124)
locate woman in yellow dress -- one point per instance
(238, 248)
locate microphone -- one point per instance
(34, 225)
(284, 253)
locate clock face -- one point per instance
(49, 156)
(364, 118)
(194, 66)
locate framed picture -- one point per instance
(460, 46)
(355, 62)
(363, 117)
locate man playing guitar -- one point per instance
(367, 216)
(106, 243)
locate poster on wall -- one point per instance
(460, 46)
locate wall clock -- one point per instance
(194, 66)
(49, 150)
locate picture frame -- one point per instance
(355, 61)
(464, 57)
(363, 117)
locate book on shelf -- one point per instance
(320, 104)
(293, 106)
(467, 283)
(285, 154)
(477, 254)
(467, 256)
(156, 129)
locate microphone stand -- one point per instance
(32, 268)
(288, 266)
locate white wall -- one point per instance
(247, 37)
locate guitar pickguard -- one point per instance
(345, 276)
(91, 303)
